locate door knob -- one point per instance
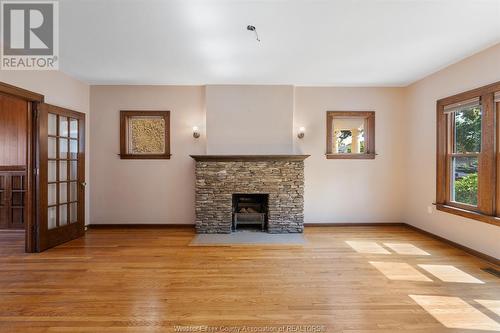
(83, 184)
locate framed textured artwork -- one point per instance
(144, 134)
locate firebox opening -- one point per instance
(250, 211)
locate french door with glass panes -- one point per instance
(61, 177)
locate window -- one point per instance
(468, 159)
(145, 134)
(350, 135)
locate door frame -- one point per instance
(31, 207)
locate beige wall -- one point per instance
(149, 191)
(61, 90)
(398, 186)
(347, 191)
(246, 119)
(144, 191)
(420, 145)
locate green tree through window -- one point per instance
(468, 130)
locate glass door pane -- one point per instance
(73, 128)
(63, 148)
(63, 126)
(52, 124)
(73, 212)
(73, 191)
(51, 218)
(73, 148)
(52, 195)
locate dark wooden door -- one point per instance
(14, 124)
(12, 199)
(61, 175)
(13, 132)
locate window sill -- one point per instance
(350, 156)
(469, 214)
(144, 156)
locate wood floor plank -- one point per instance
(150, 280)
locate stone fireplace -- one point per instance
(280, 178)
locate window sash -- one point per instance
(450, 176)
(481, 206)
(452, 123)
(455, 107)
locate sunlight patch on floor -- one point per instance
(367, 247)
(406, 248)
(399, 271)
(492, 305)
(449, 273)
(453, 312)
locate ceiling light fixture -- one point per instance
(252, 28)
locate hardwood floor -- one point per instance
(150, 280)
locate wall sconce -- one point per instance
(302, 132)
(196, 132)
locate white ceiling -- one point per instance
(315, 42)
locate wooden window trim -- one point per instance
(488, 207)
(124, 115)
(369, 128)
(497, 203)
(469, 214)
(363, 156)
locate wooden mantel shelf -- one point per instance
(242, 158)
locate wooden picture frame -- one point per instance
(154, 144)
(369, 134)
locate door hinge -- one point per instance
(36, 171)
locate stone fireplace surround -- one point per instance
(218, 177)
